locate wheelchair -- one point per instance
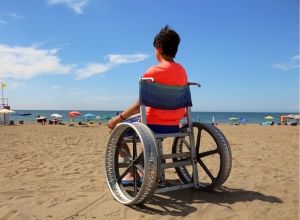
(200, 153)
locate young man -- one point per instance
(167, 72)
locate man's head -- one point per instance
(167, 40)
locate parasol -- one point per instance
(89, 115)
(73, 114)
(6, 111)
(55, 115)
(269, 117)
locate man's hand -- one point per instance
(112, 123)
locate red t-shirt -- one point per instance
(168, 73)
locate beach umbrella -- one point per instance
(41, 118)
(23, 114)
(233, 120)
(269, 117)
(55, 115)
(293, 116)
(297, 117)
(98, 118)
(89, 115)
(243, 120)
(6, 111)
(73, 114)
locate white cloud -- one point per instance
(2, 22)
(92, 69)
(27, 62)
(123, 59)
(16, 16)
(113, 61)
(23, 63)
(293, 63)
(76, 5)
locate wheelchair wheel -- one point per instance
(213, 156)
(131, 150)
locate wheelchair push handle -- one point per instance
(194, 84)
(147, 79)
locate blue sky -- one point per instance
(89, 54)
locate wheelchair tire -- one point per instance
(221, 151)
(150, 164)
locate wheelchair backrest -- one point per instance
(163, 97)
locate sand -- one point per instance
(57, 172)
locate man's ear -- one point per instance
(159, 50)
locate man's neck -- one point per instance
(167, 58)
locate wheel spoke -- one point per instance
(134, 147)
(125, 173)
(139, 158)
(213, 164)
(140, 168)
(207, 153)
(206, 169)
(135, 178)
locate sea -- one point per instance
(207, 117)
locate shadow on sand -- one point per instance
(178, 203)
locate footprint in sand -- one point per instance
(16, 214)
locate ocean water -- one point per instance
(219, 117)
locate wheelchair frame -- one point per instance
(151, 162)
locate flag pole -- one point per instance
(2, 104)
(2, 90)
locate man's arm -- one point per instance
(133, 109)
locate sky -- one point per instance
(89, 54)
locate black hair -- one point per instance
(167, 40)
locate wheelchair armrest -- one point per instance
(134, 116)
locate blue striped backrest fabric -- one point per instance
(164, 96)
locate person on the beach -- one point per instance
(167, 72)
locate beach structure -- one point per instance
(146, 156)
(292, 119)
(4, 107)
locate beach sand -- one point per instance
(57, 172)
